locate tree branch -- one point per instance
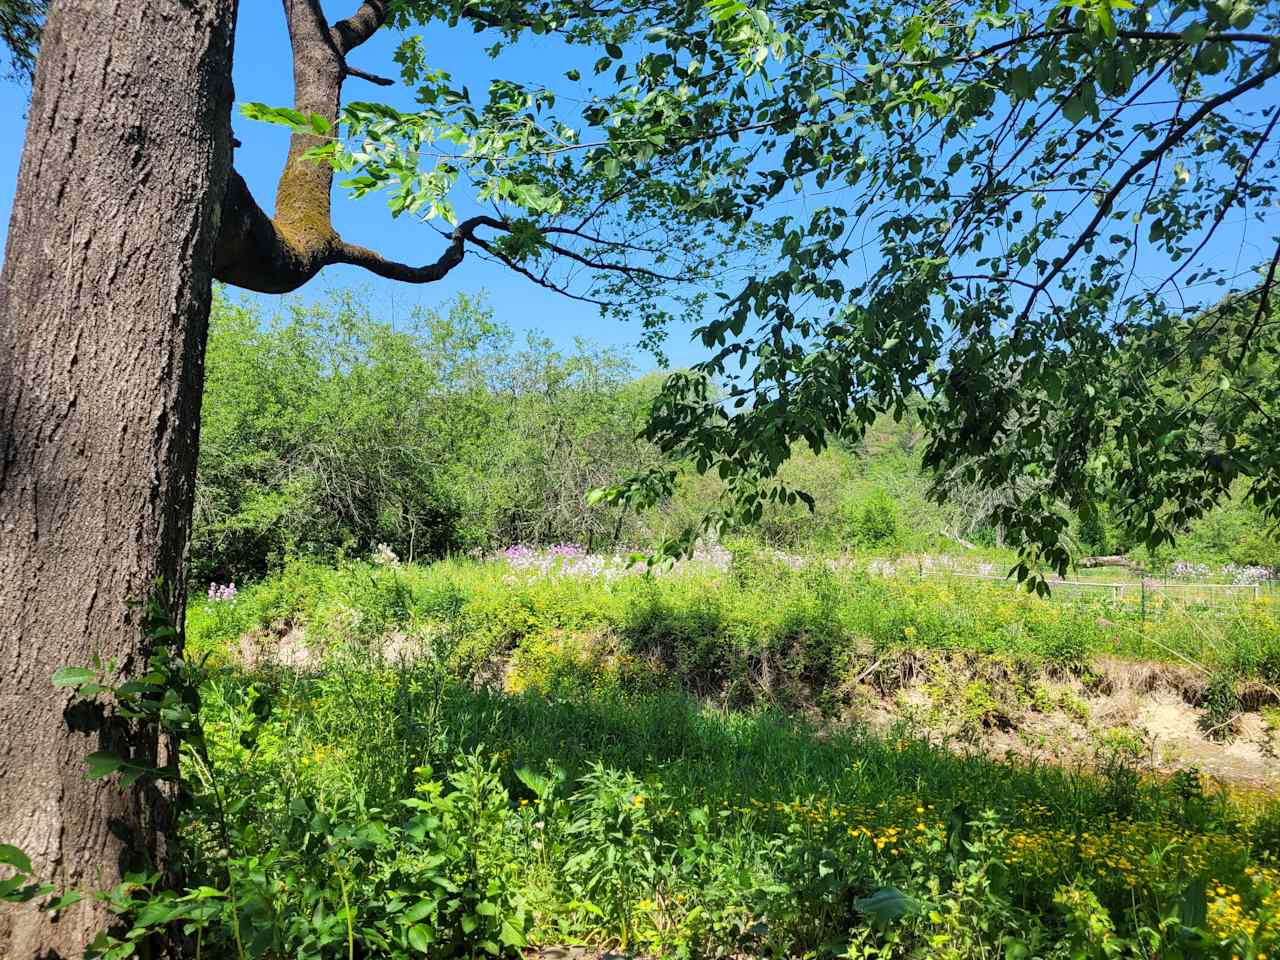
(429, 273)
(1151, 35)
(360, 26)
(1171, 139)
(1264, 303)
(371, 77)
(1226, 204)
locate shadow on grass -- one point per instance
(389, 721)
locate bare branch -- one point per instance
(1150, 35)
(365, 75)
(1174, 137)
(1226, 204)
(1264, 303)
(429, 273)
(525, 272)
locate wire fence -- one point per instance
(1200, 594)
(1141, 590)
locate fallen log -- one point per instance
(1115, 561)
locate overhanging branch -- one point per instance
(374, 262)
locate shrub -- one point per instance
(876, 523)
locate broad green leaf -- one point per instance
(73, 676)
(102, 763)
(14, 857)
(419, 938)
(885, 906)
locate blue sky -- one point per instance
(263, 73)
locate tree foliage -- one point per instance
(1010, 214)
(327, 429)
(20, 22)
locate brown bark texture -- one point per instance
(104, 305)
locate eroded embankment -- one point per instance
(1165, 717)
(1160, 716)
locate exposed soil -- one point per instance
(1152, 713)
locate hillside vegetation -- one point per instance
(328, 430)
(551, 747)
(434, 703)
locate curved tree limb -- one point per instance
(279, 254)
(375, 263)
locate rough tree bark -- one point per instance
(104, 304)
(126, 209)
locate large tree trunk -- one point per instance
(104, 305)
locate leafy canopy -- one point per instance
(1022, 218)
(20, 22)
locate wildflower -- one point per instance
(384, 556)
(219, 593)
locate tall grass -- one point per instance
(464, 761)
(395, 810)
(758, 626)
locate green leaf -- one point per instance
(73, 676)
(14, 857)
(418, 911)
(1195, 33)
(157, 913)
(1195, 905)
(1020, 82)
(66, 900)
(510, 936)
(102, 763)
(419, 938)
(911, 36)
(1106, 21)
(613, 50)
(1075, 108)
(885, 906)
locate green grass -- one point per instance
(757, 626)
(365, 809)
(589, 790)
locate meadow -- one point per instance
(483, 758)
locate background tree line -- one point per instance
(328, 429)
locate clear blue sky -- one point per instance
(263, 73)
